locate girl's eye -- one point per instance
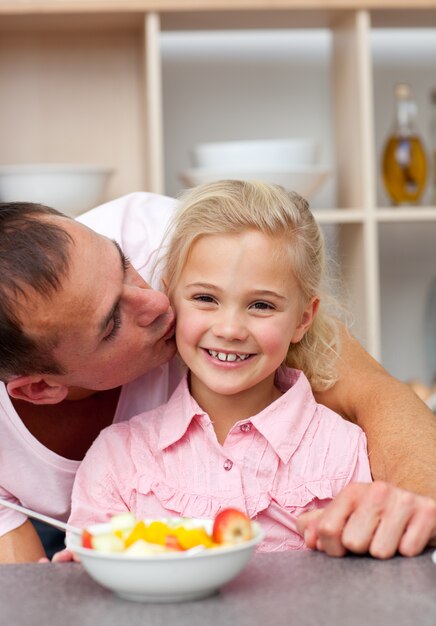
(203, 298)
(261, 306)
(116, 324)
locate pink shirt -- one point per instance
(294, 456)
(30, 473)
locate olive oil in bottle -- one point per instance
(404, 158)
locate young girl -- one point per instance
(243, 269)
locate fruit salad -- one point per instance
(126, 534)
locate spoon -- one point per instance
(39, 516)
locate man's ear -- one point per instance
(307, 318)
(36, 389)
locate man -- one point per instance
(85, 341)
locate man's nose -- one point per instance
(146, 303)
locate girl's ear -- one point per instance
(306, 321)
(36, 389)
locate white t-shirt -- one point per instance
(31, 474)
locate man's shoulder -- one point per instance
(135, 206)
(138, 222)
(139, 200)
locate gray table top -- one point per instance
(301, 588)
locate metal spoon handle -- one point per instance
(43, 518)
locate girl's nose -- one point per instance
(147, 304)
(230, 326)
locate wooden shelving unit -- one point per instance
(81, 81)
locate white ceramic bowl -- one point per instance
(278, 153)
(305, 181)
(69, 188)
(166, 577)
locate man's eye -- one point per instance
(126, 262)
(116, 324)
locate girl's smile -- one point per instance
(221, 358)
(227, 357)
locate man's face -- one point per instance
(110, 325)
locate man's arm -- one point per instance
(400, 428)
(21, 545)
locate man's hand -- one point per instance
(65, 556)
(375, 518)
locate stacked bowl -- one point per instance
(292, 163)
(70, 188)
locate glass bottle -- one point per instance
(404, 158)
(433, 144)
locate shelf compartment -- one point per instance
(406, 214)
(407, 255)
(339, 216)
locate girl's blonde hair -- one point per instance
(232, 206)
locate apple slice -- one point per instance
(122, 522)
(231, 526)
(86, 538)
(107, 542)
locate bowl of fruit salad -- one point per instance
(169, 559)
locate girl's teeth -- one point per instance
(223, 356)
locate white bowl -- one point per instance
(166, 577)
(278, 153)
(69, 188)
(305, 181)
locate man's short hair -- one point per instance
(34, 256)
